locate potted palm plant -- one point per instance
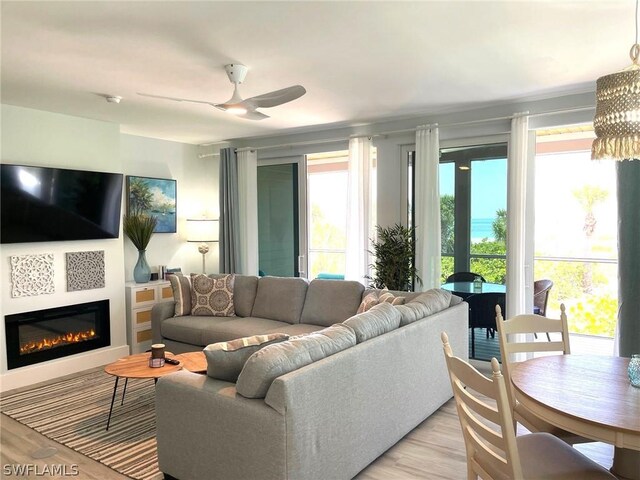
(394, 253)
(139, 228)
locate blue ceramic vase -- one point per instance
(142, 271)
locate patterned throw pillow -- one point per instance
(389, 298)
(374, 298)
(181, 287)
(226, 359)
(368, 301)
(212, 296)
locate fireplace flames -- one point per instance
(47, 343)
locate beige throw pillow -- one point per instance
(376, 297)
(386, 297)
(226, 359)
(368, 301)
(212, 296)
(181, 287)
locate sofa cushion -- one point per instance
(244, 293)
(297, 329)
(267, 364)
(191, 329)
(427, 303)
(226, 359)
(331, 301)
(380, 319)
(238, 327)
(280, 298)
(212, 296)
(181, 287)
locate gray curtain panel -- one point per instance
(229, 217)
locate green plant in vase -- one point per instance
(394, 253)
(139, 228)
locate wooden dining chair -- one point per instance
(464, 277)
(493, 450)
(541, 289)
(531, 324)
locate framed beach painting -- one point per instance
(153, 196)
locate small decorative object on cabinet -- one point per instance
(140, 299)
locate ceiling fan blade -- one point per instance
(176, 99)
(278, 97)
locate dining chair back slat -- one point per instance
(491, 455)
(509, 346)
(492, 449)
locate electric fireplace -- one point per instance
(42, 335)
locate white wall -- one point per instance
(33, 137)
(197, 190)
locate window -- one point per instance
(327, 177)
(576, 230)
(473, 209)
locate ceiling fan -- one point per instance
(236, 105)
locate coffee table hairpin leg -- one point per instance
(126, 380)
(124, 391)
(113, 397)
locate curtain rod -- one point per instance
(407, 130)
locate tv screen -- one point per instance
(40, 204)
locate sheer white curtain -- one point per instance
(360, 215)
(427, 207)
(248, 202)
(519, 260)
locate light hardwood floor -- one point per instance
(433, 450)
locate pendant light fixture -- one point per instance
(617, 119)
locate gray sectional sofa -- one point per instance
(328, 419)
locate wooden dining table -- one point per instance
(588, 395)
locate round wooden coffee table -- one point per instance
(194, 362)
(136, 366)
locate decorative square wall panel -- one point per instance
(85, 270)
(32, 275)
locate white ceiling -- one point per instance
(359, 61)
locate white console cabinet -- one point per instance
(141, 297)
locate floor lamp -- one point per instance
(202, 230)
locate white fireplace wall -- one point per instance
(34, 137)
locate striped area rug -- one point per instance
(74, 413)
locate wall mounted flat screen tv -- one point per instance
(40, 204)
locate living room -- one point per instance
(392, 79)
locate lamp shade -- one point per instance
(617, 119)
(202, 230)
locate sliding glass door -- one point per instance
(281, 220)
(473, 209)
